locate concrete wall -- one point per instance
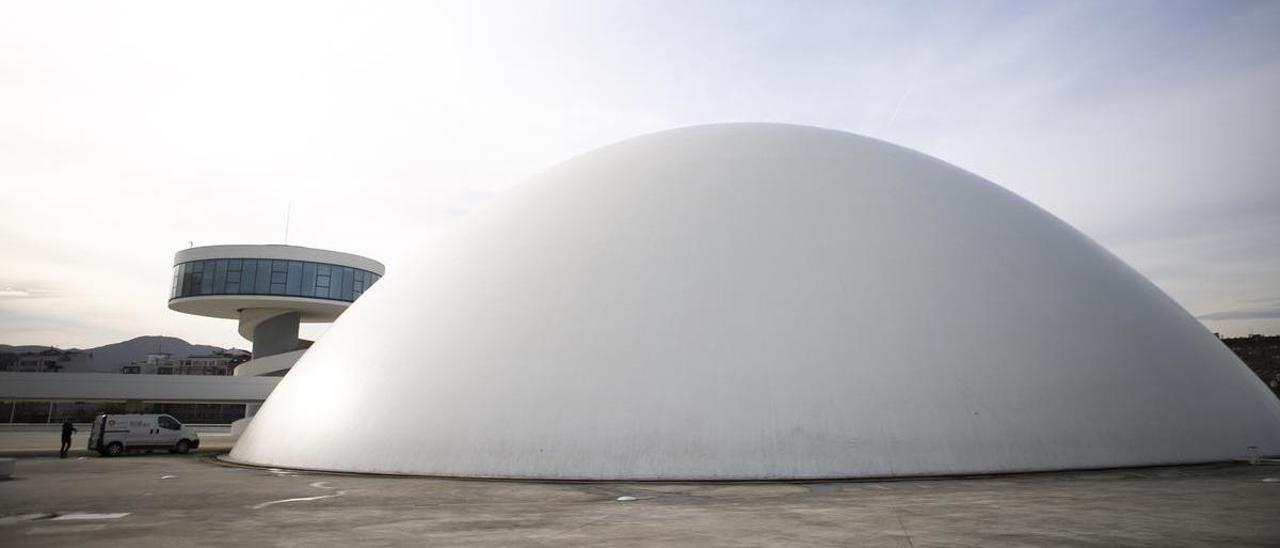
(146, 388)
(276, 335)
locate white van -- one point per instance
(112, 435)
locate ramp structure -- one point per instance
(140, 388)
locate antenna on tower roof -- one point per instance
(288, 209)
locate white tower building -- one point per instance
(270, 289)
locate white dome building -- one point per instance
(756, 301)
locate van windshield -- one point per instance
(169, 423)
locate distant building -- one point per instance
(220, 363)
(51, 360)
(1262, 354)
(163, 363)
(195, 360)
(159, 363)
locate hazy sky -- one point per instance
(129, 130)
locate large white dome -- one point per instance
(760, 301)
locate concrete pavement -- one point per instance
(195, 500)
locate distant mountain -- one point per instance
(21, 349)
(110, 358)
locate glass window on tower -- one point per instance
(269, 277)
(206, 281)
(348, 281)
(247, 275)
(308, 280)
(220, 276)
(262, 283)
(293, 284)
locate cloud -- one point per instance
(1259, 313)
(29, 293)
(1148, 125)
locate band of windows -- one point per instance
(270, 277)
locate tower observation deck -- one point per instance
(270, 290)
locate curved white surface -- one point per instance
(277, 251)
(274, 363)
(231, 306)
(760, 301)
(251, 318)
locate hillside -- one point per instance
(110, 358)
(24, 348)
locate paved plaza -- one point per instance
(197, 500)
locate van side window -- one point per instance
(166, 422)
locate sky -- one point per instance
(129, 131)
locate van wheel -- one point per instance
(183, 447)
(115, 449)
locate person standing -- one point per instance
(67, 429)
